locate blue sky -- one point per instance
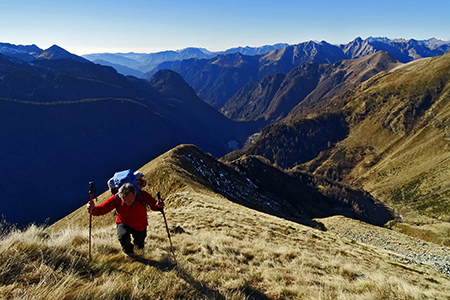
(93, 26)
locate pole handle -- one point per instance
(91, 188)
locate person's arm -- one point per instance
(152, 202)
(101, 209)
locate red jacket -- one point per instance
(134, 216)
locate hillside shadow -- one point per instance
(171, 264)
(306, 222)
(270, 178)
(167, 265)
(164, 265)
(301, 197)
(210, 293)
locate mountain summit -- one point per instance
(56, 52)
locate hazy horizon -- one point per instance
(85, 27)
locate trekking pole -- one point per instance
(158, 195)
(91, 193)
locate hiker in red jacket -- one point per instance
(131, 215)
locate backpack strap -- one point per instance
(141, 199)
(116, 203)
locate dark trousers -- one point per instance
(124, 234)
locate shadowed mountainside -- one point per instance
(65, 122)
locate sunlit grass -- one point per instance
(238, 254)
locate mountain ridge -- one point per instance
(200, 207)
(283, 60)
(221, 250)
(302, 88)
(348, 48)
(396, 142)
(210, 88)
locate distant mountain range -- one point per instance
(216, 77)
(137, 64)
(33, 52)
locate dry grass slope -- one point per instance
(227, 251)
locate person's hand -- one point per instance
(90, 206)
(160, 204)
